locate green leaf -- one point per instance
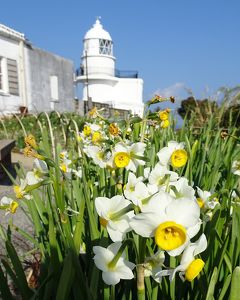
(20, 275)
(4, 288)
(211, 287)
(225, 287)
(235, 284)
(66, 279)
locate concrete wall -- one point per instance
(42, 65)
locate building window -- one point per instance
(12, 71)
(54, 88)
(105, 47)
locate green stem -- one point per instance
(140, 282)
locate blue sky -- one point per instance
(174, 45)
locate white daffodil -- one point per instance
(65, 167)
(8, 204)
(114, 215)
(189, 266)
(129, 157)
(129, 188)
(182, 189)
(112, 271)
(78, 172)
(141, 194)
(174, 154)
(97, 154)
(63, 155)
(39, 170)
(236, 167)
(172, 222)
(136, 191)
(161, 176)
(153, 265)
(20, 190)
(205, 201)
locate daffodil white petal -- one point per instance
(110, 278)
(183, 211)
(145, 224)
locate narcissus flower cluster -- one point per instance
(160, 206)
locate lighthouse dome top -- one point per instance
(97, 32)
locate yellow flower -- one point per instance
(170, 235)
(18, 191)
(63, 167)
(165, 124)
(200, 202)
(86, 130)
(121, 159)
(113, 129)
(96, 137)
(179, 158)
(28, 151)
(93, 113)
(194, 269)
(30, 141)
(163, 115)
(13, 207)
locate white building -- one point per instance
(31, 78)
(101, 81)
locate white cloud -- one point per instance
(178, 90)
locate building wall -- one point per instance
(99, 91)
(119, 93)
(9, 49)
(42, 66)
(128, 94)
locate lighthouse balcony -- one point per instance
(106, 71)
(126, 74)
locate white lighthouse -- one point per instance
(102, 83)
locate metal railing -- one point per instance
(118, 73)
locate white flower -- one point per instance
(78, 172)
(165, 154)
(39, 170)
(182, 189)
(20, 190)
(130, 188)
(205, 201)
(63, 155)
(172, 222)
(114, 215)
(160, 175)
(9, 204)
(111, 275)
(153, 265)
(137, 191)
(129, 157)
(189, 266)
(65, 167)
(97, 154)
(5, 201)
(236, 167)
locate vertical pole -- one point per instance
(88, 98)
(22, 73)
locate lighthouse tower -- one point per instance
(102, 83)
